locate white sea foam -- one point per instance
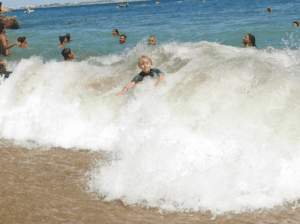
(221, 133)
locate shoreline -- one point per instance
(72, 4)
(41, 185)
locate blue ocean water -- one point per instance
(225, 22)
(220, 133)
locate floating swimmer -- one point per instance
(68, 54)
(145, 64)
(23, 41)
(115, 33)
(295, 23)
(249, 41)
(123, 39)
(63, 40)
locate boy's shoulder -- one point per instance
(156, 70)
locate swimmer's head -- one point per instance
(295, 23)
(152, 40)
(22, 39)
(123, 39)
(249, 39)
(115, 32)
(67, 53)
(63, 39)
(145, 63)
(269, 10)
(252, 39)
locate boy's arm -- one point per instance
(127, 87)
(160, 79)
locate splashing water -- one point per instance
(220, 133)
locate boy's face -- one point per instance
(145, 65)
(152, 41)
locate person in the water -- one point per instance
(295, 23)
(115, 33)
(249, 41)
(4, 47)
(123, 39)
(152, 40)
(63, 40)
(23, 41)
(68, 54)
(145, 64)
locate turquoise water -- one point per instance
(220, 133)
(225, 22)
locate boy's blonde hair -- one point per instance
(144, 57)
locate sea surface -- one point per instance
(218, 141)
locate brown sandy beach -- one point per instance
(50, 186)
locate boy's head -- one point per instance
(145, 63)
(67, 53)
(152, 40)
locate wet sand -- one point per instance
(50, 186)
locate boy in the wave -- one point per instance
(152, 40)
(145, 63)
